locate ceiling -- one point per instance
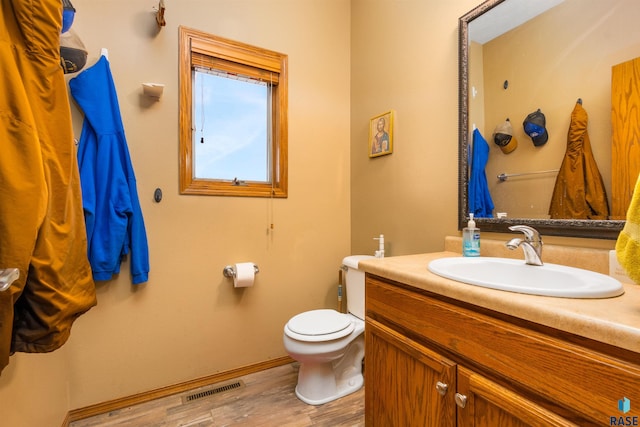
(505, 17)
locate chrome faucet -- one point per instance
(531, 245)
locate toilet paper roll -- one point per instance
(245, 274)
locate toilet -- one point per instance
(329, 345)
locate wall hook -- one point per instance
(160, 14)
(153, 90)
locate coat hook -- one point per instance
(160, 14)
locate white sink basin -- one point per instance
(514, 275)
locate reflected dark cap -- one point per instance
(73, 54)
(535, 127)
(503, 137)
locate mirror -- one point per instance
(556, 94)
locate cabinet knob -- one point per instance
(461, 400)
(441, 388)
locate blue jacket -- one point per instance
(480, 202)
(114, 222)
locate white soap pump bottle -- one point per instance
(380, 252)
(471, 238)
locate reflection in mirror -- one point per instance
(516, 58)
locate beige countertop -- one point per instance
(614, 321)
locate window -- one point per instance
(233, 118)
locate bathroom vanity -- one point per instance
(443, 353)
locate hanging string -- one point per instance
(202, 111)
(270, 147)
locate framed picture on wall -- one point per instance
(381, 134)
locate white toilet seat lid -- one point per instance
(319, 325)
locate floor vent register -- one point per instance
(213, 390)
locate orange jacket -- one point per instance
(41, 222)
(579, 192)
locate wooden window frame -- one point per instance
(205, 50)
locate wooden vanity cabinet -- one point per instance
(434, 361)
(484, 403)
(410, 384)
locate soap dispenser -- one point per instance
(471, 239)
(380, 252)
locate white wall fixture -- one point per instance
(153, 90)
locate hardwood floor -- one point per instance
(265, 398)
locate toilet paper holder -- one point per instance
(230, 271)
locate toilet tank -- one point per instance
(354, 280)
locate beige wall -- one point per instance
(550, 62)
(188, 321)
(349, 61)
(404, 57)
(34, 389)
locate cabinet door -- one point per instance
(406, 384)
(483, 403)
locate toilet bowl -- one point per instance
(329, 345)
